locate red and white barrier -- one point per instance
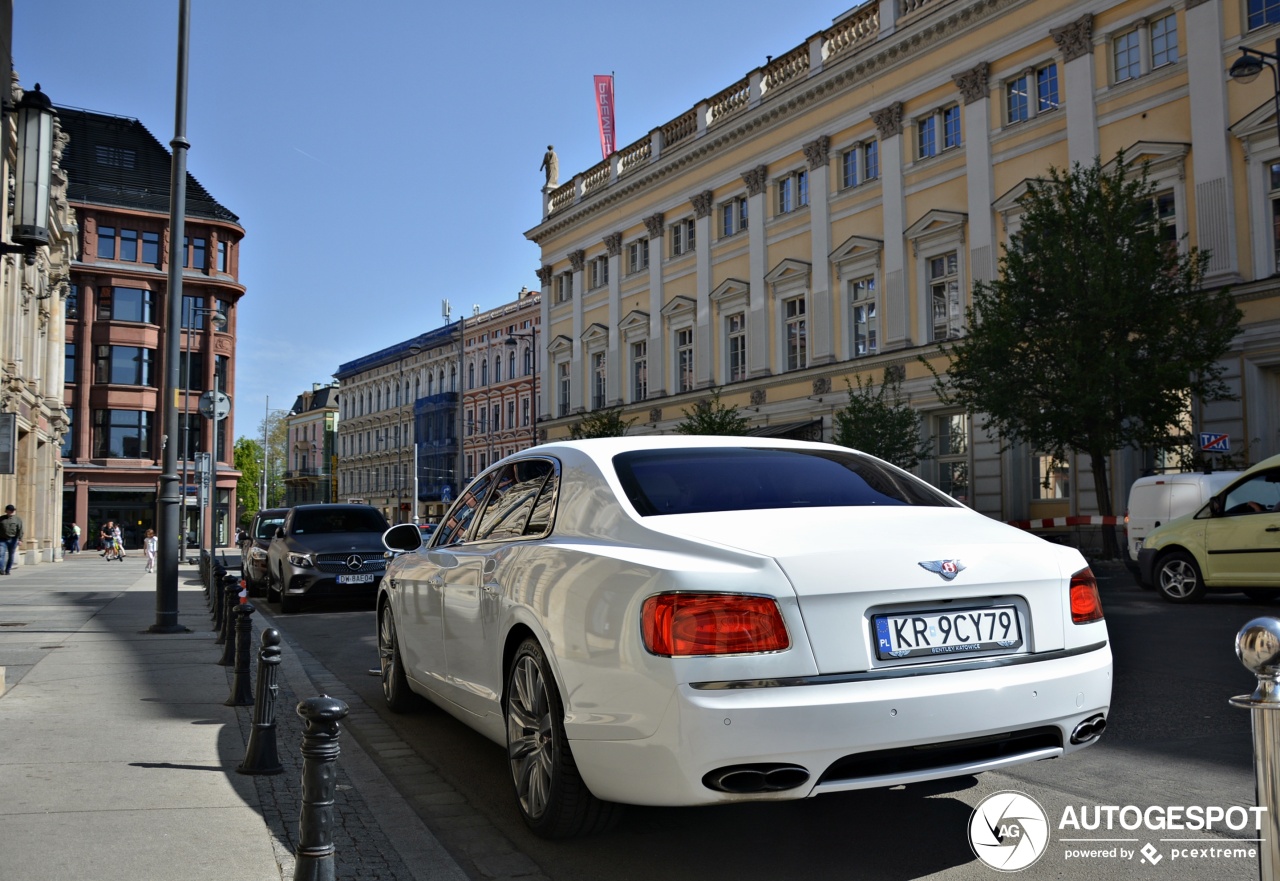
(1060, 522)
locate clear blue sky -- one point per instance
(383, 156)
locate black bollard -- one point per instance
(319, 775)
(261, 757)
(241, 686)
(227, 638)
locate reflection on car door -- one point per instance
(473, 591)
(1243, 543)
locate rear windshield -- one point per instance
(692, 481)
(267, 526)
(327, 520)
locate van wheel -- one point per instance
(1178, 578)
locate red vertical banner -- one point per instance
(604, 112)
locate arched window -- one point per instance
(484, 372)
(471, 376)
(528, 361)
(511, 366)
(430, 385)
(497, 368)
(378, 399)
(453, 379)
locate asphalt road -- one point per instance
(1172, 740)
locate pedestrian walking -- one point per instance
(10, 535)
(149, 545)
(117, 542)
(74, 546)
(104, 539)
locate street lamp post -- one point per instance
(219, 321)
(532, 337)
(1250, 63)
(409, 352)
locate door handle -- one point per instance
(435, 581)
(490, 587)
(1273, 529)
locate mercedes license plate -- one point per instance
(356, 579)
(938, 634)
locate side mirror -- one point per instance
(402, 538)
(279, 532)
(1215, 506)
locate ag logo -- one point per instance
(1008, 831)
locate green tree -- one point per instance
(880, 422)
(1097, 332)
(601, 423)
(710, 416)
(275, 430)
(248, 461)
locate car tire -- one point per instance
(1178, 578)
(395, 684)
(550, 795)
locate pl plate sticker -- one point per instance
(1009, 831)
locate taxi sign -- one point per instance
(1211, 442)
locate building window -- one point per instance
(927, 137)
(129, 245)
(1263, 12)
(797, 338)
(151, 248)
(1275, 210)
(682, 237)
(1126, 56)
(1019, 103)
(684, 359)
(1052, 478)
(599, 272)
(564, 287)
(866, 325)
(793, 191)
(733, 217)
(598, 381)
(114, 157)
(124, 365)
(191, 370)
(69, 439)
(951, 127)
(1164, 40)
(638, 255)
(564, 379)
(222, 256)
(938, 131)
(484, 373)
(106, 243)
(220, 363)
(126, 304)
(122, 434)
(859, 164)
(736, 346)
(944, 295)
(194, 250)
(1163, 213)
(192, 317)
(497, 417)
(639, 371)
(524, 412)
(952, 449)
(69, 361)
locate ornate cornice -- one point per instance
(613, 244)
(577, 260)
(545, 274)
(755, 179)
(655, 224)
(702, 203)
(888, 120)
(972, 83)
(1075, 39)
(817, 151)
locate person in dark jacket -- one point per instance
(10, 535)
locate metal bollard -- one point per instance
(1258, 648)
(241, 687)
(319, 774)
(227, 639)
(261, 757)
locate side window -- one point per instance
(544, 508)
(1259, 494)
(453, 530)
(512, 500)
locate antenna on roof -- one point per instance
(446, 310)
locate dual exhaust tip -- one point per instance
(1089, 729)
(762, 777)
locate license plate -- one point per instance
(943, 634)
(356, 579)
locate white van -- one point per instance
(1160, 498)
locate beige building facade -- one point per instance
(826, 217)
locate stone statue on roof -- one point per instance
(551, 164)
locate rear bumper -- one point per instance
(825, 727)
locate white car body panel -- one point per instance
(645, 729)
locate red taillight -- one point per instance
(711, 624)
(1086, 604)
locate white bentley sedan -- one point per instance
(699, 620)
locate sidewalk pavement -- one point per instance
(119, 755)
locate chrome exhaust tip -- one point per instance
(1089, 729)
(764, 777)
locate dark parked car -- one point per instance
(253, 548)
(326, 550)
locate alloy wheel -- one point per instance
(530, 736)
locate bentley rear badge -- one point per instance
(948, 569)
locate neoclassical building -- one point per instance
(500, 397)
(826, 216)
(312, 435)
(33, 305)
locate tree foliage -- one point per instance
(601, 423)
(880, 422)
(248, 461)
(710, 416)
(1096, 333)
